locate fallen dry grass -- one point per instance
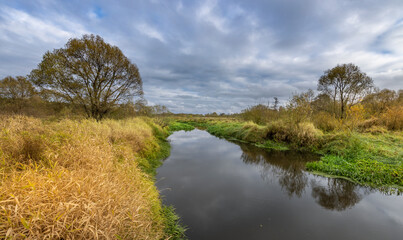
(76, 180)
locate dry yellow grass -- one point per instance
(76, 180)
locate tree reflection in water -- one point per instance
(339, 194)
(289, 167)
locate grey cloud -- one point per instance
(205, 56)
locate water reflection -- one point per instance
(338, 195)
(288, 167)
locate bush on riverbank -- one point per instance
(79, 179)
(303, 135)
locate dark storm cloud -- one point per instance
(205, 56)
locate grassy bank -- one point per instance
(370, 159)
(374, 160)
(178, 126)
(82, 179)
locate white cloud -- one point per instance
(392, 40)
(150, 32)
(18, 23)
(25, 38)
(207, 14)
(92, 15)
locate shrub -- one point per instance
(393, 118)
(253, 132)
(376, 130)
(303, 135)
(308, 135)
(280, 131)
(354, 116)
(369, 123)
(259, 114)
(325, 121)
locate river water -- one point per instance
(223, 190)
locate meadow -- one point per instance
(65, 175)
(78, 157)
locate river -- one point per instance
(225, 190)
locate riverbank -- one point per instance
(77, 179)
(371, 159)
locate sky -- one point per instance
(216, 56)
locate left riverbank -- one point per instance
(83, 179)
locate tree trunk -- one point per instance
(342, 107)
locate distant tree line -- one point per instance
(347, 98)
(93, 78)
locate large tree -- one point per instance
(345, 84)
(90, 73)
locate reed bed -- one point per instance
(77, 180)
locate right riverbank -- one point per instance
(370, 159)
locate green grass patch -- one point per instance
(178, 126)
(150, 160)
(375, 161)
(173, 227)
(273, 145)
(364, 171)
(156, 150)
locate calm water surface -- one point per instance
(224, 190)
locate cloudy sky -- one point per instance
(222, 56)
